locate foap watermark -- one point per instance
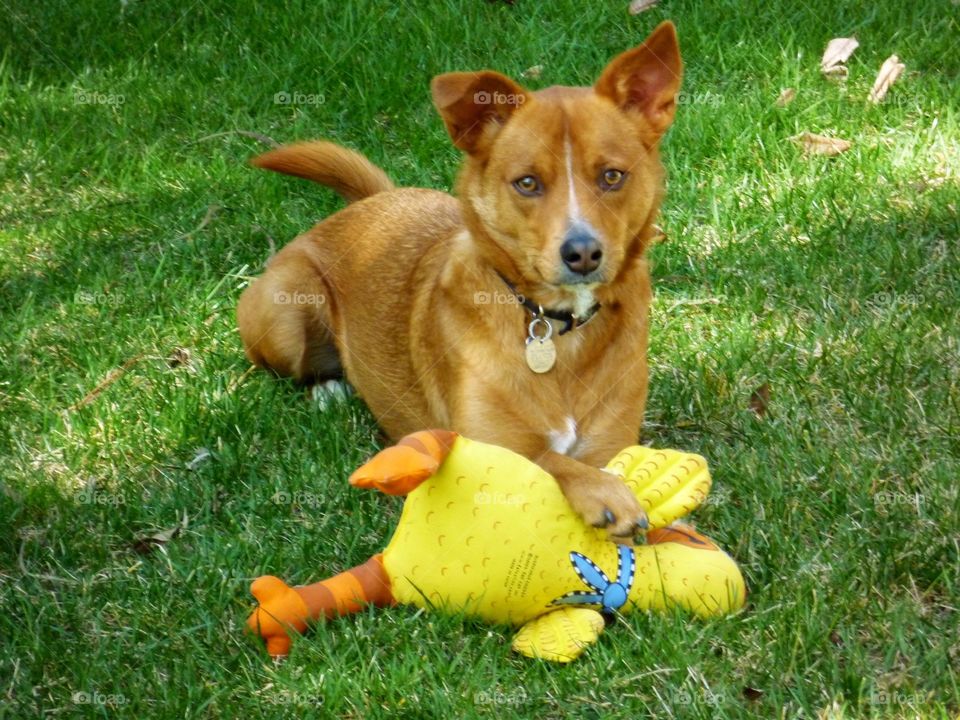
(707, 697)
(298, 298)
(498, 498)
(701, 98)
(895, 697)
(497, 298)
(483, 97)
(94, 97)
(87, 297)
(294, 699)
(285, 97)
(890, 497)
(880, 300)
(516, 696)
(95, 697)
(303, 499)
(90, 496)
(717, 497)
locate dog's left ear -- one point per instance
(475, 105)
(647, 79)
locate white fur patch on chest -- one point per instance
(583, 299)
(562, 441)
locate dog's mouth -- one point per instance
(573, 280)
(553, 276)
(559, 288)
(575, 295)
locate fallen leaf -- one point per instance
(752, 693)
(148, 543)
(200, 457)
(760, 400)
(533, 72)
(891, 69)
(638, 6)
(821, 144)
(179, 356)
(838, 52)
(111, 378)
(786, 97)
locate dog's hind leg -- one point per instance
(285, 319)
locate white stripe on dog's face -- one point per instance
(573, 207)
(576, 222)
(575, 216)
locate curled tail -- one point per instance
(349, 173)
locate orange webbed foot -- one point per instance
(400, 469)
(280, 610)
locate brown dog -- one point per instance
(438, 309)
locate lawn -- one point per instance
(805, 339)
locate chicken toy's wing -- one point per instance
(669, 484)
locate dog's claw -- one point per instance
(609, 518)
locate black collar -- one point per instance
(570, 320)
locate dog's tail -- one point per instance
(348, 173)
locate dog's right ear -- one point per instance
(475, 105)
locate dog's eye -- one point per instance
(612, 179)
(528, 185)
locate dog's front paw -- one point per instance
(605, 501)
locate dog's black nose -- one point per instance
(581, 252)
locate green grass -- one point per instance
(833, 280)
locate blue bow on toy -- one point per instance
(610, 596)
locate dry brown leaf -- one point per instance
(786, 97)
(533, 72)
(148, 543)
(179, 356)
(891, 69)
(821, 144)
(111, 378)
(638, 6)
(838, 52)
(760, 400)
(752, 693)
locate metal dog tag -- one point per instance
(541, 355)
(541, 352)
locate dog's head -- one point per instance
(560, 186)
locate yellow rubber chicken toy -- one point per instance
(488, 533)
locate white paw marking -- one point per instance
(329, 392)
